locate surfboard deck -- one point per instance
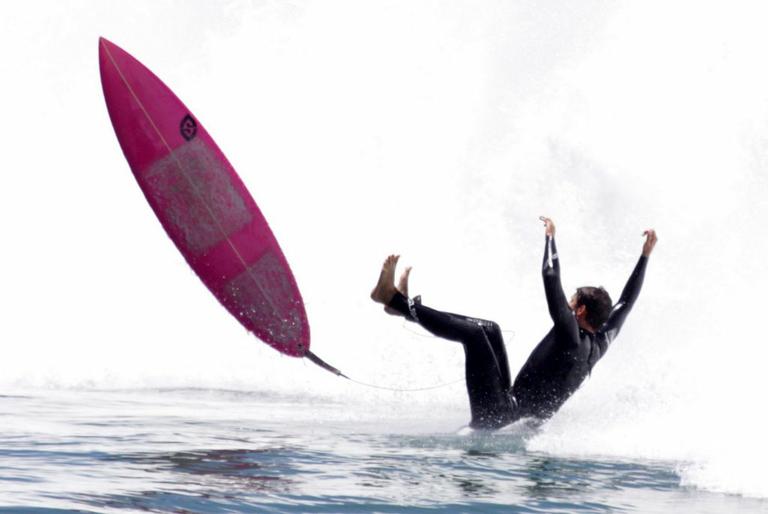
(202, 204)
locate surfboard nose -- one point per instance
(108, 47)
(103, 42)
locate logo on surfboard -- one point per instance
(188, 128)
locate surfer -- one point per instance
(584, 327)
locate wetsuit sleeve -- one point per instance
(556, 302)
(630, 293)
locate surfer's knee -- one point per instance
(474, 335)
(489, 327)
(493, 327)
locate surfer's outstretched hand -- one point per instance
(549, 226)
(650, 241)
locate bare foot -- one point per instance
(385, 287)
(402, 286)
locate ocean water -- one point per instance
(437, 130)
(215, 451)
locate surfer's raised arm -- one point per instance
(631, 289)
(556, 301)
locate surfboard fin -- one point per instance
(320, 362)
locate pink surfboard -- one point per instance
(202, 203)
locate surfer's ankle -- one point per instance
(383, 294)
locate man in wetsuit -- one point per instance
(583, 329)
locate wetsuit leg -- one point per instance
(493, 332)
(486, 368)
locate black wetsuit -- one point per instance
(556, 367)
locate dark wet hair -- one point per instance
(598, 303)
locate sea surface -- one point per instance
(217, 451)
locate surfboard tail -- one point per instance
(320, 362)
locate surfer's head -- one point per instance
(591, 305)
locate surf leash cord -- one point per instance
(320, 362)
